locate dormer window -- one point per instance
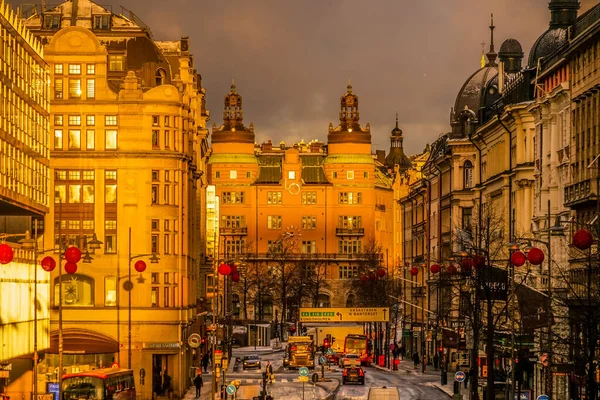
(51, 21)
(101, 22)
(160, 77)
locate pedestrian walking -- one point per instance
(416, 359)
(167, 385)
(269, 371)
(198, 383)
(205, 362)
(436, 360)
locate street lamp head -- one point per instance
(87, 259)
(94, 244)
(27, 243)
(514, 246)
(154, 259)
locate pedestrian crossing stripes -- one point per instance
(282, 380)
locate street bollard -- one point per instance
(444, 377)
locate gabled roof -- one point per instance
(312, 170)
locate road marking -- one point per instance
(249, 380)
(284, 381)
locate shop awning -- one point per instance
(83, 341)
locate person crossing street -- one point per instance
(269, 371)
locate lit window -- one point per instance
(155, 175)
(274, 222)
(154, 297)
(167, 137)
(60, 192)
(58, 88)
(74, 120)
(58, 120)
(58, 139)
(155, 139)
(91, 88)
(60, 175)
(155, 120)
(74, 194)
(91, 69)
(274, 198)
(349, 174)
(110, 291)
(74, 139)
(111, 139)
(74, 88)
(309, 197)
(110, 175)
(233, 174)
(74, 175)
(74, 69)
(115, 62)
(90, 120)
(291, 174)
(110, 195)
(89, 139)
(110, 120)
(58, 69)
(88, 175)
(88, 194)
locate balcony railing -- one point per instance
(581, 192)
(229, 231)
(313, 257)
(350, 231)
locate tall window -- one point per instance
(350, 198)
(160, 77)
(58, 139)
(89, 139)
(309, 197)
(274, 221)
(91, 89)
(155, 189)
(111, 139)
(273, 197)
(75, 88)
(154, 244)
(467, 215)
(74, 139)
(232, 197)
(467, 174)
(349, 222)
(110, 195)
(349, 246)
(110, 291)
(154, 297)
(309, 246)
(155, 139)
(58, 88)
(309, 222)
(323, 301)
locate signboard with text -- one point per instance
(349, 314)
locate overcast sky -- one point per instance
(291, 60)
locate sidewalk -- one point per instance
(204, 394)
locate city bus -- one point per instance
(358, 344)
(99, 384)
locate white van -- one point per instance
(384, 393)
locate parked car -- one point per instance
(251, 361)
(353, 374)
(349, 360)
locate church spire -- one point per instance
(232, 114)
(482, 61)
(492, 55)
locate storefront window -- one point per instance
(110, 291)
(77, 290)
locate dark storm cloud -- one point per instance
(291, 60)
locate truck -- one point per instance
(333, 336)
(299, 352)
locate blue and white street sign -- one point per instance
(542, 397)
(231, 389)
(460, 376)
(303, 371)
(322, 360)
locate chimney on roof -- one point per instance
(380, 156)
(267, 146)
(315, 147)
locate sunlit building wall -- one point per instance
(127, 122)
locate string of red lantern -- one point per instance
(535, 256)
(140, 266)
(583, 239)
(48, 264)
(6, 253)
(517, 259)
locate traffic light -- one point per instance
(328, 340)
(332, 340)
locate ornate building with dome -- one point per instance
(335, 199)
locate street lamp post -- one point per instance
(140, 266)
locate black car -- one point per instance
(353, 374)
(252, 361)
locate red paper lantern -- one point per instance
(517, 259)
(372, 276)
(48, 264)
(452, 269)
(414, 271)
(583, 239)
(381, 272)
(73, 255)
(70, 267)
(235, 277)
(224, 269)
(479, 261)
(234, 269)
(467, 267)
(140, 266)
(535, 256)
(467, 263)
(364, 278)
(435, 269)
(6, 253)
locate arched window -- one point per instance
(350, 300)
(77, 290)
(160, 77)
(323, 301)
(467, 174)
